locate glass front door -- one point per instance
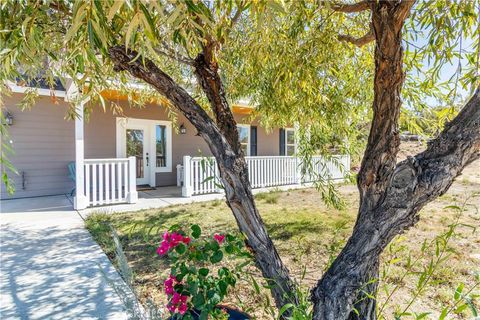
(136, 147)
(150, 142)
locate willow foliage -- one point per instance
(282, 56)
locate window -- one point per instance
(135, 149)
(160, 146)
(290, 145)
(244, 135)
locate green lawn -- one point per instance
(309, 235)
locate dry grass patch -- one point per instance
(308, 236)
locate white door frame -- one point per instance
(122, 124)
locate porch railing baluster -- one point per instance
(264, 171)
(110, 181)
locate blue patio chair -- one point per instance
(71, 175)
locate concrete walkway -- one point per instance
(50, 265)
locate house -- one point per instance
(116, 154)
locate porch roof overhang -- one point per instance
(112, 94)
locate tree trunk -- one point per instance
(222, 139)
(415, 182)
(238, 191)
(391, 194)
(343, 288)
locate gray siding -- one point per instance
(43, 144)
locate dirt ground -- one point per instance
(309, 235)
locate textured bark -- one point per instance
(209, 79)
(391, 194)
(222, 139)
(347, 8)
(359, 42)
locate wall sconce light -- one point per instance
(8, 118)
(183, 129)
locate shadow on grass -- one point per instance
(286, 230)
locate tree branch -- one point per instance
(174, 56)
(457, 146)
(211, 84)
(359, 42)
(162, 82)
(232, 166)
(347, 7)
(233, 21)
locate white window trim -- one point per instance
(122, 143)
(294, 138)
(247, 126)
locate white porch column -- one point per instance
(80, 201)
(187, 183)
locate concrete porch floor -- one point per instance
(150, 199)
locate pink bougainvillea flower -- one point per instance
(168, 284)
(170, 241)
(178, 302)
(219, 237)
(171, 308)
(176, 298)
(169, 290)
(163, 249)
(175, 239)
(182, 309)
(166, 236)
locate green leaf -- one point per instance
(131, 28)
(203, 272)
(222, 285)
(216, 257)
(443, 314)
(203, 315)
(461, 308)
(196, 231)
(117, 5)
(198, 300)
(229, 249)
(181, 248)
(422, 315)
(255, 285)
(458, 291)
(284, 309)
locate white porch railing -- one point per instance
(110, 181)
(200, 175)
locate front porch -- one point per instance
(114, 181)
(148, 152)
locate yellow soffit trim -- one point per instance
(112, 94)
